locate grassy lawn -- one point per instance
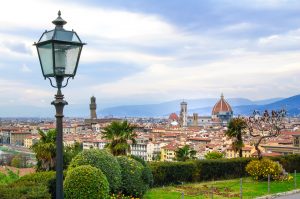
(222, 189)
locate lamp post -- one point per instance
(59, 52)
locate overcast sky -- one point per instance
(148, 51)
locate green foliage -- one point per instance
(9, 177)
(236, 128)
(133, 183)
(17, 161)
(45, 178)
(70, 152)
(104, 161)
(29, 186)
(165, 173)
(119, 133)
(260, 169)
(24, 190)
(86, 182)
(289, 162)
(221, 168)
(214, 155)
(38, 177)
(45, 150)
(185, 153)
(146, 173)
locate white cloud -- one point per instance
(245, 73)
(25, 68)
(238, 27)
(286, 41)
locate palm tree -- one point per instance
(45, 150)
(236, 128)
(185, 153)
(119, 133)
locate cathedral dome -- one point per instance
(221, 106)
(174, 117)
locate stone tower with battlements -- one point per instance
(93, 107)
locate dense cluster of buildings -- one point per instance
(158, 139)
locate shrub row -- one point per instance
(173, 172)
(165, 173)
(289, 162)
(221, 169)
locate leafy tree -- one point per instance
(45, 150)
(119, 133)
(185, 153)
(214, 155)
(236, 129)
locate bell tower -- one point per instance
(93, 107)
(183, 114)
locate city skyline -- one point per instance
(143, 52)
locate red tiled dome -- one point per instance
(221, 106)
(174, 117)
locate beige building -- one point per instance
(168, 152)
(247, 151)
(30, 140)
(285, 149)
(17, 138)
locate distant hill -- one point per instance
(291, 105)
(201, 106)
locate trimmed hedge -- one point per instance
(165, 173)
(289, 162)
(103, 160)
(86, 182)
(222, 168)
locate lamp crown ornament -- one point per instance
(59, 22)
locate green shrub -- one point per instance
(38, 177)
(86, 182)
(17, 161)
(46, 178)
(132, 177)
(165, 173)
(260, 169)
(214, 155)
(9, 177)
(104, 161)
(146, 173)
(24, 190)
(221, 168)
(289, 162)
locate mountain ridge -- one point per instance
(201, 106)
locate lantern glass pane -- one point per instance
(66, 56)
(45, 53)
(63, 35)
(47, 36)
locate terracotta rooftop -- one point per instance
(221, 106)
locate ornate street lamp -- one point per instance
(59, 52)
